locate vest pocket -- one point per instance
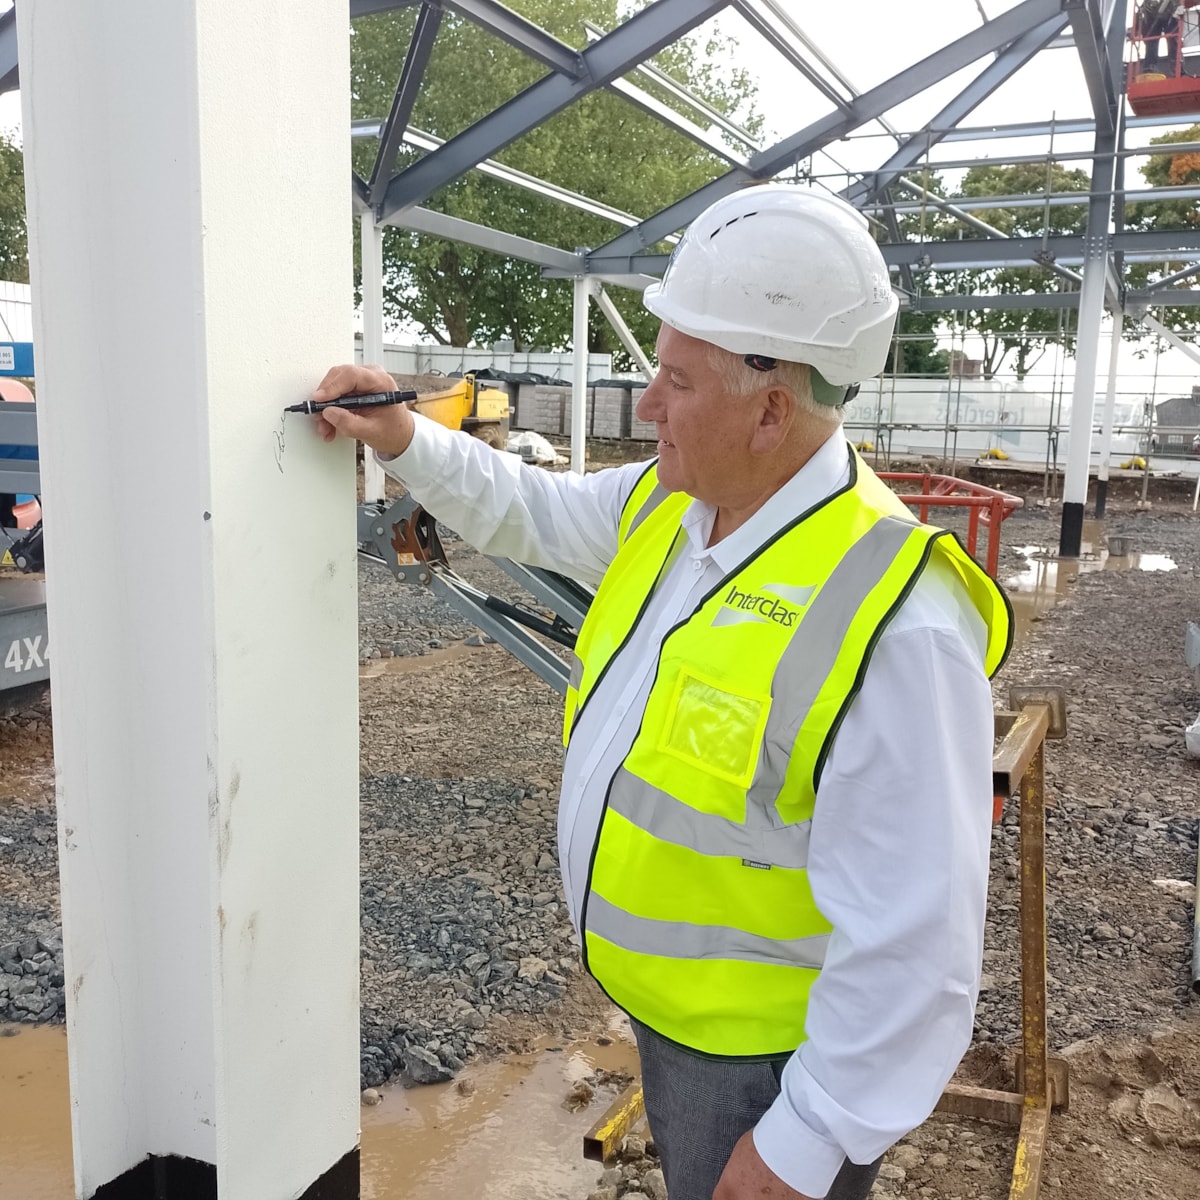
(714, 729)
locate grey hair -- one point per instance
(741, 380)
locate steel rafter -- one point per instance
(1091, 41)
(642, 35)
(782, 46)
(9, 75)
(1005, 300)
(967, 254)
(413, 72)
(892, 222)
(868, 107)
(496, 19)
(709, 139)
(360, 193)
(1171, 280)
(981, 226)
(1053, 200)
(455, 229)
(996, 73)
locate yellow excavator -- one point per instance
(467, 404)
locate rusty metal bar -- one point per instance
(603, 1140)
(1018, 762)
(1033, 921)
(1020, 746)
(1031, 1153)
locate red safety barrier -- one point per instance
(988, 506)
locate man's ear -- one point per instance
(776, 412)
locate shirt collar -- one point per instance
(825, 472)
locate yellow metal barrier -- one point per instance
(1042, 1081)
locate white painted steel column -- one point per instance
(624, 333)
(579, 373)
(1110, 407)
(201, 600)
(372, 308)
(1087, 346)
(1083, 399)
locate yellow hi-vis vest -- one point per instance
(698, 918)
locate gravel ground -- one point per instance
(466, 949)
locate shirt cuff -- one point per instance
(797, 1153)
(425, 457)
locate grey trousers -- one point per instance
(699, 1107)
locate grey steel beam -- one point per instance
(1174, 298)
(496, 19)
(411, 75)
(1054, 200)
(707, 138)
(9, 75)
(868, 107)
(524, 35)
(892, 224)
(674, 88)
(789, 23)
(984, 253)
(996, 73)
(980, 226)
(455, 229)
(642, 35)
(1060, 156)
(1150, 245)
(1014, 300)
(1171, 280)
(1091, 41)
(782, 46)
(359, 193)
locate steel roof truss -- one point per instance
(413, 72)
(868, 107)
(639, 37)
(436, 224)
(1088, 26)
(996, 73)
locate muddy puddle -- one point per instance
(1045, 578)
(406, 664)
(501, 1130)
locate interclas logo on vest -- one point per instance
(777, 602)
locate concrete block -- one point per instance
(642, 431)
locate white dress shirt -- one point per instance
(898, 856)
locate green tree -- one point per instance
(14, 243)
(1161, 171)
(601, 146)
(1025, 334)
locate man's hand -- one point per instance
(747, 1177)
(388, 429)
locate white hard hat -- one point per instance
(783, 272)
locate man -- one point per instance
(775, 813)
(1159, 19)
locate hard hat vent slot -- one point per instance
(743, 217)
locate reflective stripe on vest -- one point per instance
(699, 919)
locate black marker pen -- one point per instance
(372, 400)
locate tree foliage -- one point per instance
(601, 146)
(1166, 170)
(14, 244)
(1025, 334)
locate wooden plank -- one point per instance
(985, 1104)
